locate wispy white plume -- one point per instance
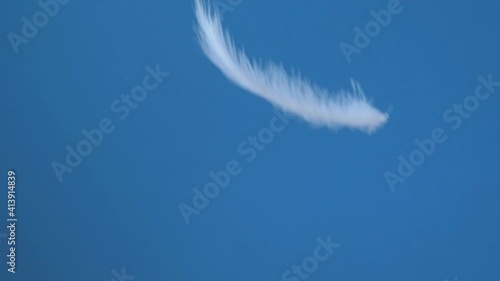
(292, 94)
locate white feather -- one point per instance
(292, 94)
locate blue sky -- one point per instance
(119, 207)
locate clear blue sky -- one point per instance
(118, 208)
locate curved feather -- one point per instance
(293, 94)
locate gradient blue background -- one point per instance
(119, 208)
